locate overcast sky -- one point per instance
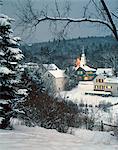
(77, 30)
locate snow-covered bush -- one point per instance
(43, 110)
(10, 55)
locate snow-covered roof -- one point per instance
(87, 68)
(50, 66)
(107, 71)
(5, 70)
(58, 73)
(111, 80)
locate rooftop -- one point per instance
(50, 66)
(105, 71)
(58, 73)
(87, 68)
(111, 80)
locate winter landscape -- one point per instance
(58, 74)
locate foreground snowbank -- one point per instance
(25, 138)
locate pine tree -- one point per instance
(10, 55)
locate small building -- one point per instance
(105, 81)
(55, 80)
(101, 75)
(84, 72)
(99, 83)
(43, 68)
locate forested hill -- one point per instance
(63, 53)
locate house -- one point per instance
(101, 75)
(54, 78)
(43, 68)
(106, 84)
(83, 71)
(105, 81)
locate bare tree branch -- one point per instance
(30, 17)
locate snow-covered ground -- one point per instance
(36, 138)
(78, 94)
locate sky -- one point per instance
(43, 32)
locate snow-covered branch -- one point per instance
(70, 20)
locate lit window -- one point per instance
(101, 87)
(96, 87)
(109, 87)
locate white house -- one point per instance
(54, 78)
(105, 81)
(111, 85)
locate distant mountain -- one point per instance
(64, 52)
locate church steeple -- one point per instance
(83, 58)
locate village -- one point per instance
(58, 75)
(104, 82)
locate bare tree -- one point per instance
(31, 17)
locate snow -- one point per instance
(1, 107)
(19, 56)
(4, 102)
(107, 71)
(1, 118)
(78, 94)
(57, 73)
(50, 66)
(22, 92)
(111, 80)
(13, 63)
(35, 138)
(2, 53)
(17, 38)
(5, 70)
(4, 22)
(14, 50)
(12, 41)
(87, 68)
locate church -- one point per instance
(83, 71)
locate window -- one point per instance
(96, 86)
(101, 87)
(109, 87)
(101, 80)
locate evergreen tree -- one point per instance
(10, 55)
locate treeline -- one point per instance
(66, 51)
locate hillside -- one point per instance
(66, 51)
